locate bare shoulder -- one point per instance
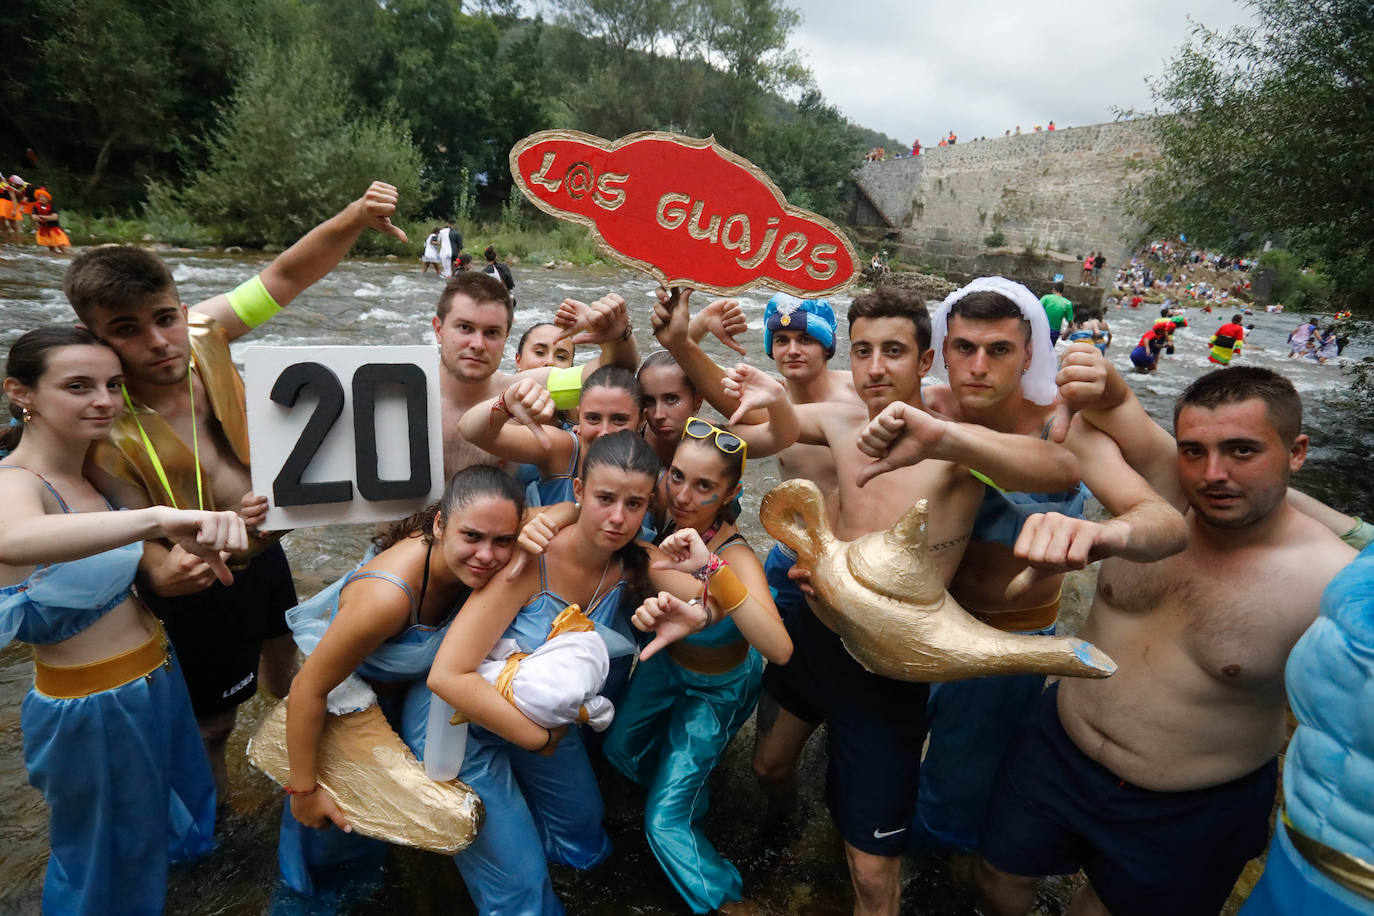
(842, 386)
(23, 494)
(1312, 548)
(939, 399)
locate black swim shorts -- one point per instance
(218, 633)
(876, 725)
(1054, 810)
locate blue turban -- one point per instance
(814, 316)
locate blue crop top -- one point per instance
(530, 628)
(722, 632)
(407, 655)
(59, 600)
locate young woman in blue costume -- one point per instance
(109, 738)
(384, 622)
(541, 797)
(685, 704)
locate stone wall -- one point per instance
(1058, 190)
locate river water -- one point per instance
(797, 871)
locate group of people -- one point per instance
(21, 201)
(1157, 782)
(1318, 342)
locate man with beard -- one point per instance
(1158, 781)
(182, 441)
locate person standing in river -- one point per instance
(1158, 782)
(109, 738)
(181, 439)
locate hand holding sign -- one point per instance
(690, 212)
(672, 316)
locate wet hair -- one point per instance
(660, 359)
(1237, 318)
(119, 277)
(1242, 383)
(490, 253)
(28, 360)
(463, 488)
(626, 451)
(986, 305)
(520, 347)
(891, 302)
(615, 377)
(480, 288)
(1058, 286)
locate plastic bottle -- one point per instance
(445, 744)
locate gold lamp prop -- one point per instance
(884, 598)
(376, 781)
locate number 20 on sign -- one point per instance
(343, 434)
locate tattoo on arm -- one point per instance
(945, 545)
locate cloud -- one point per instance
(980, 67)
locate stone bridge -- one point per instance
(1057, 190)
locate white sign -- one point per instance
(344, 434)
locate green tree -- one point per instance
(810, 155)
(1273, 139)
(110, 92)
(290, 151)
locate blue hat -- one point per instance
(814, 316)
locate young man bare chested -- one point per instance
(182, 440)
(1158, 782)
(991, 340)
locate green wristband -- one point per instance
(566, 387)
(1361, 536)
(253, 303)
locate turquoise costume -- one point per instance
(669, 733)
(407, 656)
(548, 491)
(1328, 772)
(123, 770)
(538, 808)
(973, 721)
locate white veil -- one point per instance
(1037, 384)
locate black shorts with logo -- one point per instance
(218, 633)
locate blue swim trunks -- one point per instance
(1054, 810)
(876, 725)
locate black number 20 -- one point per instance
(289, 490)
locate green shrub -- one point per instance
(288, 154)
(1297, 287)
(996, 240)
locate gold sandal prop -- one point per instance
(376, 781)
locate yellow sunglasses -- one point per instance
(726, 441)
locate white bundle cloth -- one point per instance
(558, 683)
(1037, 384)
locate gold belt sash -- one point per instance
(709, 659)
(1350, 872)
(68, 682)
(1021, 620)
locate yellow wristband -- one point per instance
(566, 387)
(727, 589)
(253, 303)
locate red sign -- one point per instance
(690, 212)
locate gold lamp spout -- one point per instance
(884, 597)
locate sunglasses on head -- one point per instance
(727, 442)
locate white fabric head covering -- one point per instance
(1037, 384)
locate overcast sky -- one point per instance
(920, 68)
